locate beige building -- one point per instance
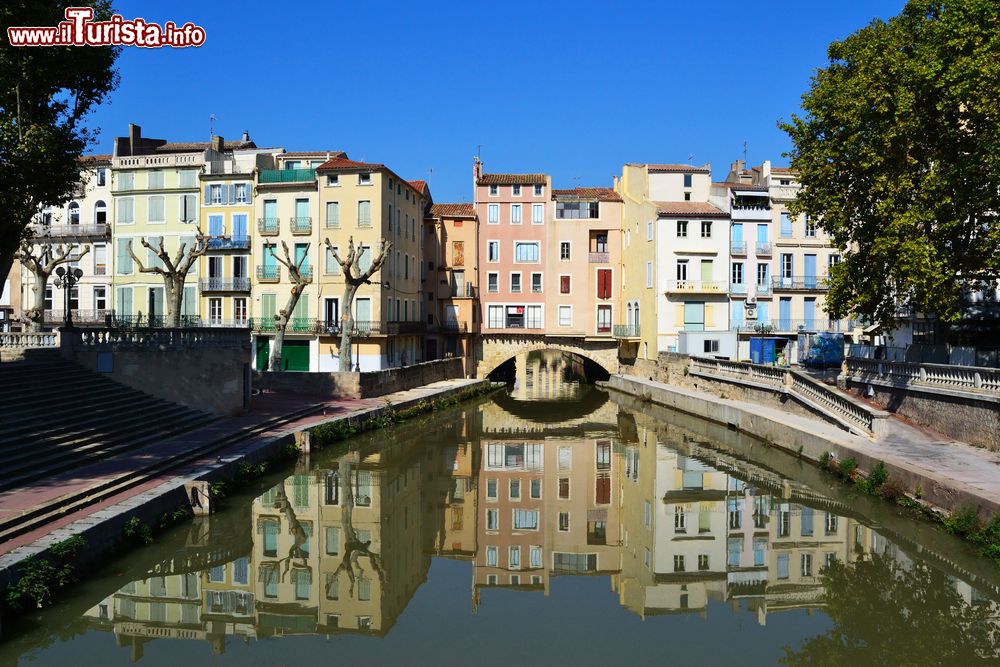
(10, 298)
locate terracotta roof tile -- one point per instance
(419, 186)
(453, 211)
(600, 194)
(339, 163)
(332, 154)
(693, 208)
(741, 186)
(677, 168)
(512, 179)
(783, 170)
(94, 159)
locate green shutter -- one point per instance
(267, 306)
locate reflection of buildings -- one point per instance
(545, 375)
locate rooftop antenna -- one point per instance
(430, 174)
(211, 126)
(745, 152)
(690, 158)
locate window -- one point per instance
(494, 317)
(515, 489)
(364, 214)
(702, 561)
(649, 274)
(515, 190)
(649, 231)
(534, 317)
(810, 227)
(536, 489)
(332, 214)
(492, 251)
(515, 214)
(364, 179)
(493, 214)
(514, 559)
(680, 520)
(737, 273)
(100, 298)
(494, 190)
(807, 565)
(539, 190)
(762, 275)
(100, 259)
(786, 265)
(156, 179)
(563, 522)
(515, 282)
(564, 250)
(525, 519)
(126, 180)
(678, 562)
(492, 519)
(526, 251)
(564, 488)
(332, 180)
(604, 283)
(565, 316)
(537, 213)
(682, 228)
(577, 210)
(687, 180)
(564, 283)
(493, 282)
(604, 319)
(786, 225)
(536, 282)
(711, 346)
(706, 229)
(565, 458)
(682, 269)
(647, 519)
(832, 523)
(491, 489)
(331, 265)
(536, 560)
(831, 261)
(124, 213)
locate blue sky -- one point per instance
(570, 89)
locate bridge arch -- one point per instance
(499, 349)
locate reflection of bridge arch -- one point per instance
(500, 348)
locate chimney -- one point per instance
(246, 137)
(217, 144)
(477, 169)
(134, 135)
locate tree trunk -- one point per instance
(37, 314)
(173, 294)
(347, 327)
(279, 337)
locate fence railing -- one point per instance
(154, 338)
(903, 373)
(57, 317)
(237, 284)
(625, 331)
(792, 382)
(11, 340)
(286, 175)
(785, 326)
(228, 242)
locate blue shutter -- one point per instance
(232, 193)
(207, 195)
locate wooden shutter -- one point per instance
(709, 316)
(679, 315)
(208, 195)
(458, 253)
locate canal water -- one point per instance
(552, 524)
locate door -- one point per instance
(239, 267)
(430, 349)
(785, 314)
(215, 225)
(295, 355)
(156, 306)
(263, 352)
(761, 233)
(451, 315)
(809, 269)
(270, 210)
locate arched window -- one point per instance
(100, 212)
(635, 314)
(74, 213)
(628, 314)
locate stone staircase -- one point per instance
(56, 416)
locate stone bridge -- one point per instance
(495, 349)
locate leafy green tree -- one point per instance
(899, 158)
(46, 94)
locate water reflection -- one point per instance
(672, 523)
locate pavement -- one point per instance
(265, 407)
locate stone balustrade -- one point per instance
(943, 376)
(101, 338)
(29, 340)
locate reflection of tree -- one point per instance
(887, 615)
(295, 529)
(354, 548)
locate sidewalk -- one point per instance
(266, 407)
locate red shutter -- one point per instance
(564, 284)
(604, 283)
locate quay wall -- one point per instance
(369, 384)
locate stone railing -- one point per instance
(12, 340)
(100, 338)
(942, 376)
(801, 387)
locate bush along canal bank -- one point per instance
(33, 576)
(961, 509)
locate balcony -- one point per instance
(307, 273)
(763, 248)
(599, 257)
(228, 243)
(788, 325)
(99, 317)
(268, 274)
(286, 175)
(267, 226)
(751, 213)
(302, 226)
(465, 291)
(69, 231)
(625, 331)
(738, 247)
(454, 327)
(799, 284)
(406, 327)
(697, 287)
(226, 324)
(238, 284)
(739, 289)
(763, 289)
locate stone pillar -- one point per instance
(303, 440)
(200, 497)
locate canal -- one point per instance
(555, 523)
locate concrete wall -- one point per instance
(362, 385)
(963, 416)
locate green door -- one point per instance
(295, 355)
(263, 352)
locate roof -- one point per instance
(419, 186)
(313, 153)
(94, 159)
(512, 179)
(783, 170)
(600, 194)
(193, 146)
(453, 211)
(342, 163)
(677, 168)
(741, 186)
(693, 208)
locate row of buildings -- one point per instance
(342, 547)
(662, 259)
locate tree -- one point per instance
(174, 271)
(354, 277)
(300, 276)
(354, 548)
(897, 157)
(46, 94)
(42, 259)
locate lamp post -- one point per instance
(67, 280)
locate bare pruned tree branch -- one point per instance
(174, 270)
(42, 259)
(300, 275)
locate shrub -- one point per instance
(877, 476)
(964, 522)
(892, 490)
(824, 460)
(848, 468)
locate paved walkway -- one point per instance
(266, 407)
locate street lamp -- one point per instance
(67, 280)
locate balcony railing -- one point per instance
(763, 289)
(69, 231)
(307, 273)
(751, 213)
(226, 324)
(302, 226)
(453, 327)
(626, 331)
(286, 175)
(799, 283)
(738, 247)
(697, 286)
(737, 288)
(267, 226)
(364, 223)
(467, 290)
(763, 248)
(103, 317)
(268, 274)
(599, 257)
(238, 284)
(228, 243)
(815, 325)
(406, 327)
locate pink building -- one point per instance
(513, 211)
